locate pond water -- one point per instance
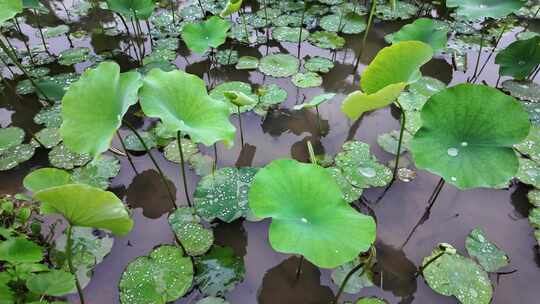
(270, 276)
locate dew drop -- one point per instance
(464, 144)
(367, 171)
(453, 178)
(453, 152)
(304, 220)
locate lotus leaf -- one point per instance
(347, 23)
(227, 57)
(395, 64)
(531, 145)
(13, 156)
(46, 178)
(424, 30)
(141, 9)
(9, 8)
(231, 7)
(182, 103)
(523, 90)
(86, 206)
(224, 194)
(357, 103)
(279, 65)
(10, 137)
(20, 250)
(450, 274)
(98, 172)
(402, 10)
(520, 58)
(163, 276)
(326, 40)
(488, 255)
(315, 101)
(239, 99)
(467, 136)
(219, 271)
(529, 172)
(290, 34)
(93, 107)
(199, 37)
(62, 157)
(51, 117)
(308, 218)
(349, 192)
(389, 141)
(133, 143)
(195, 239)
(173, 154)
(51, 32)
(247, 63)
(73, 56)
(48, 137)
(307, 80)
(237, 86)
(319, 64)
(52, 283)
(477, 9)
(360, 279)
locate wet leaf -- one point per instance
(48, 137)
(307, 80)
(357, 102)
(13, 156)
(309, 215)
(163, 276)
(73, 56)
(51, 117)
(402, 10)
(349, 192)
(470, 124)
(62, 157)
(531, 145)
(10, 137)
(520, 58)
(237, 86)
(20, 250)
(363, 277)
(55, 31)
(529, 172)
(424, 30)
(290, 34)
(523, 90)
(224, 194)
(227, 57)
(279, 65)
(347, 23)
(488, 255)
(478, 9)
(315, 101)
(319, 64)
(389, 141)
(133, 143)
(212, 300)
(9, 8)
(219, 271)
(247, 63)
(199, 37)
(195, 239)
(98, 172)
(141, 9)
(326, 40)
(52, 283)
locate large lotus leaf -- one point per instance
(488, 255)
(219, 271)
(52, 283)
(142, 9)
(9, 8)
(46, 178)
(199, 37)
(357, 103)
(224, 194)
(279, 65)
(10, 137)
(395, 64)
(424, 30)
(476, 9)
(93, 107)
(309, 215)
(195, 239)
(451, 274)
(182, 103)
(86, 206)
(467, 136)
(163, 276)
(519, 58)
(20, 250)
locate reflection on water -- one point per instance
(148, 192)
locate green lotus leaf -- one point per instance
(98, 172)
(48, 137)
(529, 172)
(10, 137)
(348, 23)
(451, 274)
(133, 143)
(227, 57)
(401, 10)
(531, 145)
(62, 157)
(236, 86)
(93, 107)
(239, 99)
(389, 141)
(231, 7)
(9, 8)
(212, 300)
(219, 271)
(15, 155)
(360, 168)
(477, 9)
(247, 63)
(20, 250)
(315, 101)
(307, 80)
(182, 103)
(279, 65)
(172, 153)
(51, 117)
(424, 30)
(73, 56)
(270, 95)
(141, 9)
(426, 87)
(86, 206)
(349, 192)
(55, 31)
(398, 63)
(363, 277)
(195, 239)
(290, 34)
(199, 37)
(534, 198)
(467, 136)
(357, 103)
(523, 90)
(163, 276)
(52, 283)
(224, 194)
(309, 215)
(46, 178)
(519, 58)
(326, 40)
(371, 301)
(488, 255)
(319, 64)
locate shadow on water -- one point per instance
(154, 203)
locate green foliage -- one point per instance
(199, 37)
(219, 271)
(520, 58)
(141, 9)
(195, 239)
(478, 9)
(9, 8)
(279, 65)
(424, 30)
(488, 255)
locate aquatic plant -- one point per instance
(199, 37)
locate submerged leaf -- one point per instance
(488, 255)
(219, 271)
(195, 239)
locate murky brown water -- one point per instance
(270, 276)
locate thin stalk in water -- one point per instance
(69, 258)
(474, 79)
(124, 22)
(311, 153)
(183, 167)
(299, 268)
(266, 22)
(158, 168)
(126, 152)
(18, 26)
(366, 32)
(41, 33)
(202, 8)
(240, 123)
(171, 7)
(318, 119)
(300, 30)
(352, 272)
(244, 22)
(400, 140)
(423, 267)
(214, 167)
(478, 58)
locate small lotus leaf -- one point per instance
(237, 86)
(195, 239)
(247, 63)
(531, 145)
(308, 218)
(10, 137)
(219, 271)
(98, 172)
(141, 9)
(326, 40)
(48, 137)
(199, 37)
(523, 90)
(349, 192)
(73, 56)
(347, 23)
(20, 250)
(519, 58)
(212, 300)
(13, 156)
(319, 64)
(467, 136)
(307, 80)
(62, 157)
(357, 103)
(363, 277)
(279, 65)
(488, 255)
(529, 172)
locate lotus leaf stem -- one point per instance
(240, 123)
(422, 267)
(183, 167)
(299, 268)
(126, 152)
(400, 140)
(41, 32)
(311, 152)
(352, 272)
(69, 247)
(499, 38)
(366, 33)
